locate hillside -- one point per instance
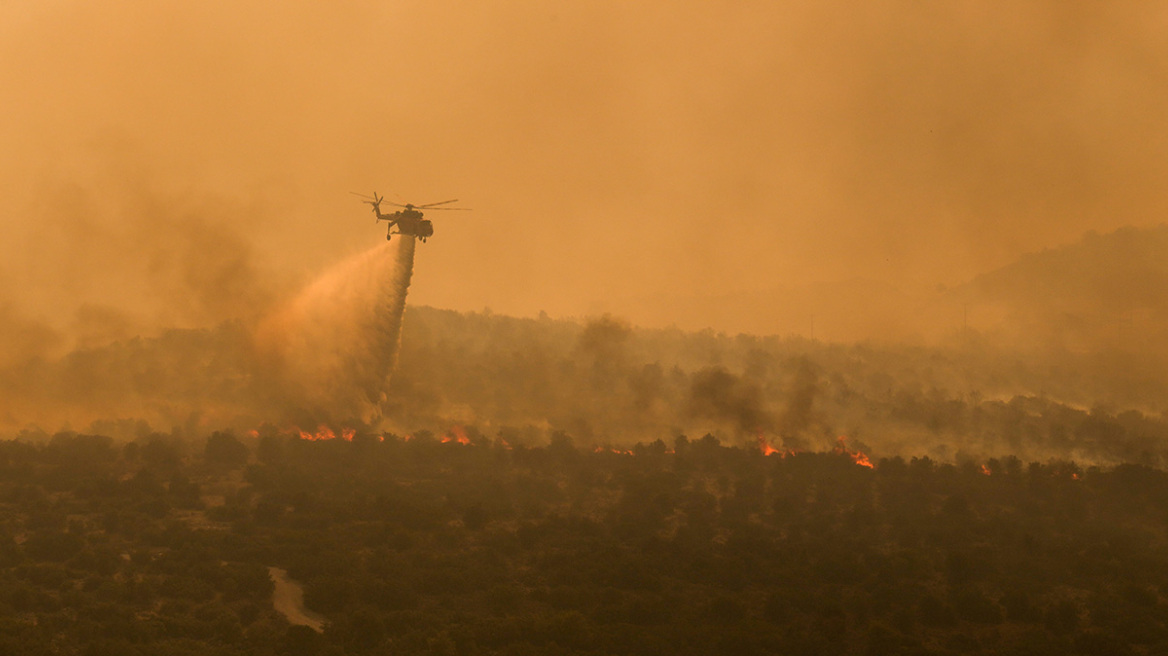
(416, 545)
(846, 310)
(604, 382)
(1103, 292)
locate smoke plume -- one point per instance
(334, 347)
(718, 394)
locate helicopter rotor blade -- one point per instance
(399, 204)
(450, 209)
(429, 205)
(367, 198)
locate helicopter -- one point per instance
(407, 220)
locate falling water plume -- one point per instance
(335, 345)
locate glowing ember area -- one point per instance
(608, 449)
(768, 449)
(324, 433)
(457, 435)
(857, 457)
(986, 470)
(765, 447)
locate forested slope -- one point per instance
(421, 546)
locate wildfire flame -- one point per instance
(768, 449)
(457, 435)
(765, 447)
(608, 449)
(986, 470)
(324, 433)
(857, 457)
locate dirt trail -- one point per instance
(288, 600)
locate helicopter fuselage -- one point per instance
(408, 222)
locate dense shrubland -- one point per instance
(161, 546)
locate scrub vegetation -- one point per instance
(475, 544)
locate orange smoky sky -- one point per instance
(179, 162)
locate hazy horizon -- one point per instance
(172, 164)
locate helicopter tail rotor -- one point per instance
(374, 201)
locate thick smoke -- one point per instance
(22, 339)
(718, 394)
(798, 409)
(324, 356)
(335, 345)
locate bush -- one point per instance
(226, 449)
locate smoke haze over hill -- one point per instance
(177, 176)
(617, 156)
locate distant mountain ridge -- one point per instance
(838, 310)
(1120, 270)
(1102, 291)
(1105, 290)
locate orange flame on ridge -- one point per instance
(608, 449)
(767, 449)
(857, 457)
(456, 434)
(324, 433)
